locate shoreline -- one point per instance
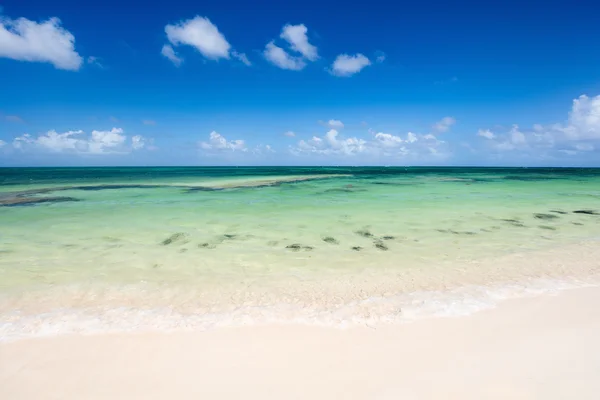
(539, 347)
(371, 298)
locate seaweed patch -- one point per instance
(176, 237)
(330, 240)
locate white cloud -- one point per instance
(242, 57)
(282, 59)
(2, 143)
(47, 41)
(98, 142)
(486, 133)
(201, 34)
(382, 145)
(575, 135)
(169, 53)
(94, 61)
(290, 134)
(217, 142)
(346, 65)
(444, 124)
(380, 57)
(295, 35)
(138, 142)
(335, 124)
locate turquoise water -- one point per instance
(73, 233)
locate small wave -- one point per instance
(372, 312)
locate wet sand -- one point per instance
(537, 348)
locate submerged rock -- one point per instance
(294, 247)
(545, 216)
(380, 245)
(388, 237)
(176, 237)
(207, 246)
(331, 240)
(356, 248)
(588, 212)
(364, 233)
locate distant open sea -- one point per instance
(112, 249)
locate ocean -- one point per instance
(112, 249)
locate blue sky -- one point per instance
(313, 83)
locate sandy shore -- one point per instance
(538, 348)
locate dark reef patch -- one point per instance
(298, 247)
(331, 240)
(356, 248)
(176, 237)
(546, 227)
(545, 216)
(559, 212)
(388, 237)
(587, 212)
(207, 246)
(380, 245)
(31, 201)
(514, 222)
(364, 233)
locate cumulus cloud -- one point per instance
(580, 133)
(381, 145)
(486, 133)
(290, 134)
(201, 34)
(296, 36)
(170, 53)
(217, 142)
(25, 40)
(297, 40)
(98, 142)
(346, 65)
(282, 59)
(335, 124)
(444, 124)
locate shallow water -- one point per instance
(230, 229)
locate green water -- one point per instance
(414, 216)
(211, 228)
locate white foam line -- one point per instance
(371, 312)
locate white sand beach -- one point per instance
(537, 348)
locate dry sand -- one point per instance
(537, 348)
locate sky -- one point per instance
(308, 83)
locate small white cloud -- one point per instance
(169, 53)
(516, 136)
(218, 142)
(295, 35)
(388, 140)
(380, 57)
(335, 124)
(444, 124)
(279, 57)
(138, 142)
(411, 137)
(99, 142)
(201, 34)
(94, 61)
(47, 41)
(2, 143)
(242, 57)
(486, 133)
(346, 65)
(290, 134)
(149, 122)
